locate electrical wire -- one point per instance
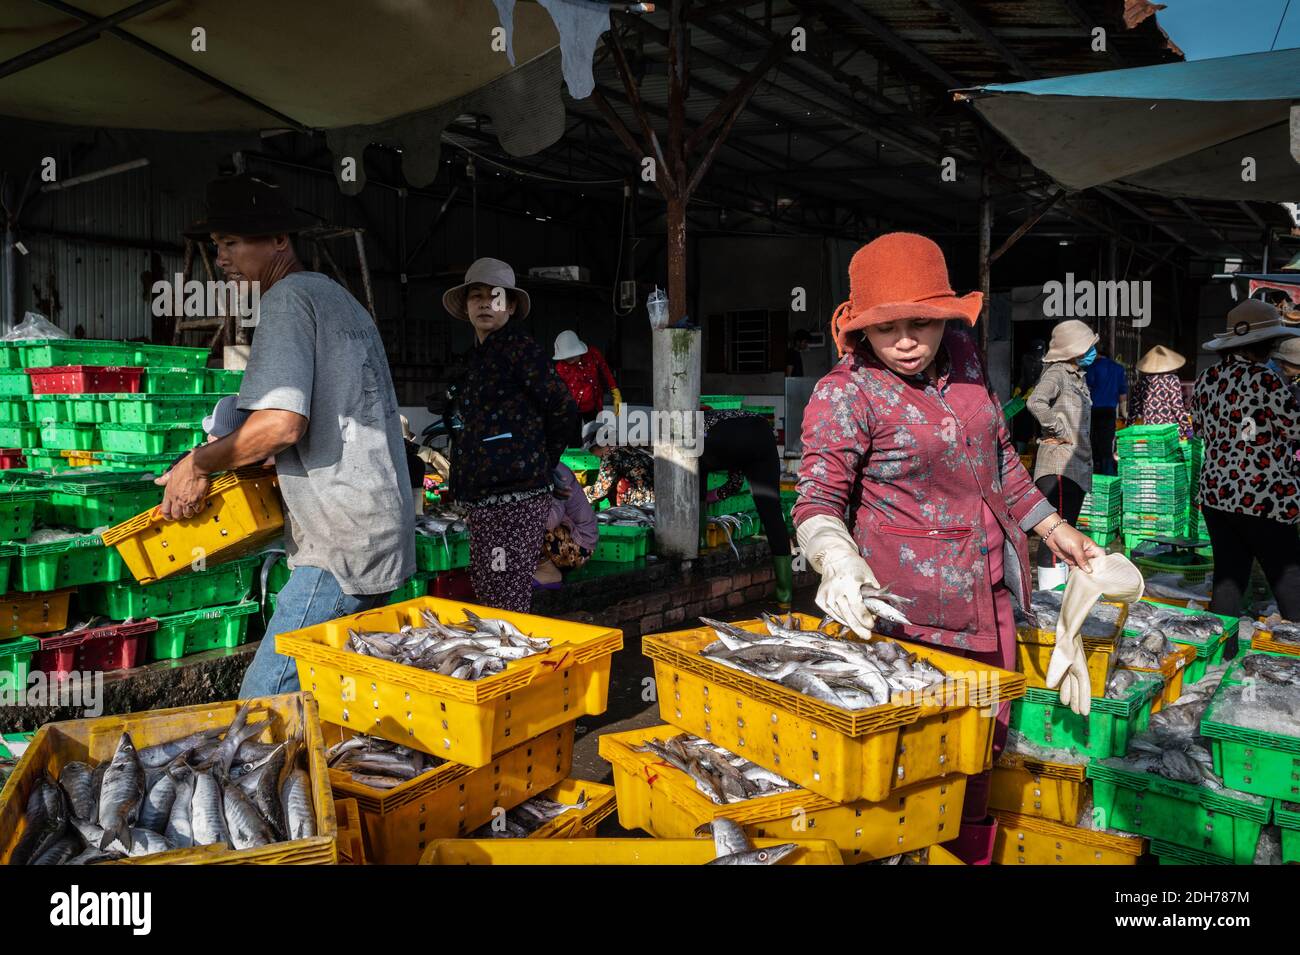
(618, 268)
(1278, 31)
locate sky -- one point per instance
(1208, 28)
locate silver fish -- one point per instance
(728, 837)
(768, 856)
(78, 782)
(155, 757)
(207, 810)
(121, 794)
(179, 829)
(47, 818)
(245, 825)
(58, 852)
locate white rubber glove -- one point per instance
(1114, 577)
(833, 553)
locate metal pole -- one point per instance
(10, 303)
(986, 243)
(92, 176)
(79, 37)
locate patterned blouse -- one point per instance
(1250, 422)
(635, 466)
(1158, 399)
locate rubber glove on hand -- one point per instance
(618, 400)
(1113, 576)
(833, 553)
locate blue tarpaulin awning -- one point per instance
(1212, 129)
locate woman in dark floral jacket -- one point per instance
(517, 415)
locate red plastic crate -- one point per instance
(12, 458)
(115, 646)
(85, 380)
(453, 585)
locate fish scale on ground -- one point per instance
(174, 795)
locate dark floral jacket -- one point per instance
(518, 417)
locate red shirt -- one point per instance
(584, 378)
(931, 487)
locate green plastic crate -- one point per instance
(208, 628)
(174, 381)
(1013, 407)
(39, 459)
(1209, 653)
(1152, 524)
(766, 411)
(7, 552)
(88, 409)
(155, 439)
(736, 504)
(98, 499)
(722, 402)
(1044, 719)
(446, 552)
(575, 459)
(223, 381)
(417, 585)
(15, 383)
(56, 352)
(1167, 853)
(621, 545)
(11, 355)
(165, 356)
(15, 410)
(16, 662)
(43, 409)
(1150, 441)
(18, 510)
(1221, 823)
(119, 461)
(126, 599)
(19, 434)
(1252, 761)
(66, 436)
(67, 563)
(160, 409)
(1287, 817)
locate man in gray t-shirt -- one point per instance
(321, 401)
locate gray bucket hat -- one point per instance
(485, 271)
(225, 418)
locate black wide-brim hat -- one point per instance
(247, 205)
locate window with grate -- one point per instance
(746, 342)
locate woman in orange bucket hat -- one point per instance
(904, 438)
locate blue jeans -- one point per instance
(311, 596)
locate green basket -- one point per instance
(97, 499)
(575, 459)
(19, 434)
(1167, 853)
(164, 356)
(1193, 569)
(194, 631)
(66, 563)
(120, 461)
(1013, 407)
(11, 355)
(87, 409)
(15, 383)
(174, 381)
(57, 352)
(1221, 823)
(417, 585)
(1151, 524)
(1252, 761)
(1208, 653)
(66, 436)
(42, 409)
(765, 411)
(736, 504)
(223, 381)
(1157, 442)
(160, 409)
(39, 459)
(18, 511)
(126, 599)
(16, 663)
(446, 552)
(722, 402)
(154, 439)
(15, 410)
(1287, 818)
(621, 545)
(7, 552)
(1105, 731)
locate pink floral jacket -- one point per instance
(910, 466)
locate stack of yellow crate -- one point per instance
(877, 782)
(506, 738)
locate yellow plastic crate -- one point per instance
(1026, 840)
(57, 744)
(844, 755)
(941, 856)
(1264, 642)
(664, 801)
(1034, 652)
(461, 720)
(241, 514)
(1171, 668)
(22, 615)
(352, 848)
(1031, 787)
(608, 852)
(578, 823)
(452, 800)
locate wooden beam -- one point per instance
(1038, 212)
(1079, 13)
(88, 33)
(666, 171)
(972, 25)
(1147, 217)
(725, 113)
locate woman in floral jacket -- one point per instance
(517, 416)
(909, 478)
(1249, 492)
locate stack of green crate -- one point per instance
(1154, 483)
(1102, 514)
(1193, 453)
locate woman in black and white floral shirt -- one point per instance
(1250, 492)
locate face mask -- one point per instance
(1089, 357)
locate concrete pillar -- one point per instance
(678, 436)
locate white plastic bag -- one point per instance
(34, 325)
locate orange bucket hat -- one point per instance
(897, 276)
